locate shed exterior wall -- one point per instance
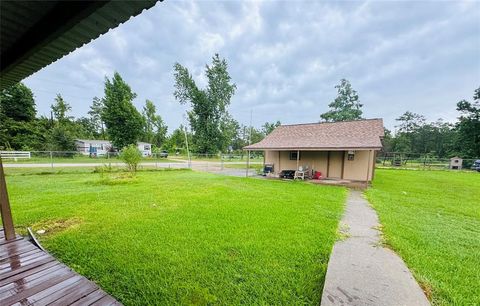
(358, 168)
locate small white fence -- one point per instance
(15, 155)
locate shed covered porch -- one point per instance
(343, 150)
(340, 164)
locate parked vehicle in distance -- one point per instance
(163, 154)
(476, 165)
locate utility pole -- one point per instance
(186, 143)
(249, 143)
(250, 136)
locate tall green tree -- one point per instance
(85, 128)
(176, 141)
(62, 136)
(124, 124)
(416, 135)
(160, 135)
(268, 127)
(409, 122)
(24, 135)
(95, 114)
(149, 118)
(229, 129)
(19, 129)
(208, 106)
(60, 109)
(468, 127)
(346, 105)
(155, 130)
(17, 103)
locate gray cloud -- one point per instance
(285, 57)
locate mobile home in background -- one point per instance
(98, 147)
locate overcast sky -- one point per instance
(285, 57)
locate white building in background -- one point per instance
(145, 148)
(93, 147)
(97, 147)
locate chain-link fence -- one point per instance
(231, 164)
(238, 164)
(68, 159)
(418, 160)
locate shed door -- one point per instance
(335, 164)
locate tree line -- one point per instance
(413, 133)
(211, 128)
(114, 117)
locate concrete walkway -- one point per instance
(361, 271)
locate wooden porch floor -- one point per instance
(30, 276)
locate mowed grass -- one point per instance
(432, 219)
(184, 237)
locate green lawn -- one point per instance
(217, 158)
(432, 219)
(184, 237)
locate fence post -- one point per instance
(51, 158)
(221, 162)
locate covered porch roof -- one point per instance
(328, 136)
(36, 33)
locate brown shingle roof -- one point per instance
(360, 134)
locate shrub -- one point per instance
(103, 169)
(131, 156)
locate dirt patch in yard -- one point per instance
(51, 227)
(427, 289)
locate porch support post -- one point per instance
(328, 164)
(374, 164)
(368, 168)
(279, 166)
(5, 211)
(298, 158)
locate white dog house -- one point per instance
(456, 163)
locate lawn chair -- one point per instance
(302, 173)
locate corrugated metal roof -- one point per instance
(24, 22)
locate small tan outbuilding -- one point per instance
(339, 150)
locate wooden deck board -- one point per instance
(89, 299)
(30, 276)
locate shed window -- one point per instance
(293, 155)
